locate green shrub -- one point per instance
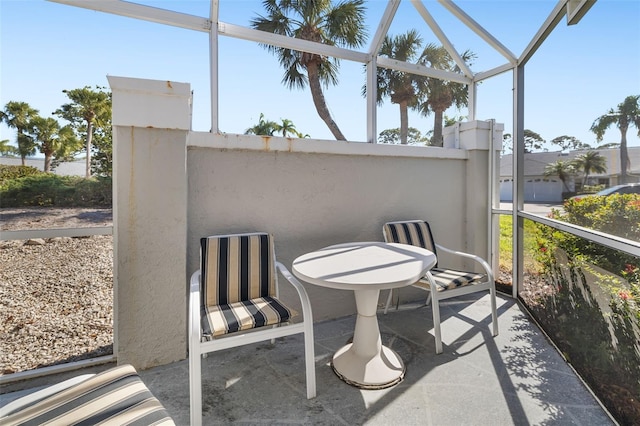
(8, 173)
(52, 190)
(617, 214)
(588, 298)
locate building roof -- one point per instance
(535, 162)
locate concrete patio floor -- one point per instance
(516, 378)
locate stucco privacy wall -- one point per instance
(172, 186)
(151, 121)
(311, 194)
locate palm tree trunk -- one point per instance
(47, 162)
(404, 122)
(89, 138)
(437, 128)
(624, 155)
(320, 103)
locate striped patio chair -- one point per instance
(116, 396)
(234, 301)
(442, 283)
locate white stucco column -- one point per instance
(474, 137)
(151, 123)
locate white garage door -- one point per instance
(542, 190)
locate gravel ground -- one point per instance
(56, 295)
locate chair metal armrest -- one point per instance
(302, 293)
(473, 257)
(194, 311)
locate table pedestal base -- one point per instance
(382, 371)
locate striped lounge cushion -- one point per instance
(448, 279)
(113, 397)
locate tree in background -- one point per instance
(532, 142)
(319, 21)
(18, 115)
(563, 169)
(286, 127)
(450, 121)
(392, 136)
(568, 143)
(102, 157)
(7, 149)
(271, 128)
(51, 139)
(264, 127)
(628, 113)
(439, 94)
(590, 161)
(87, 110)
(609, 145)
(400, 87)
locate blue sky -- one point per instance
(577, 75)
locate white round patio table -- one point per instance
(366, 268)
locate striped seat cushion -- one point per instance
(412, 232)
(218, 320)
(448, 279)
(114, 397)
(236, 268)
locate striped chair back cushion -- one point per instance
(236, 268)
(413, 232)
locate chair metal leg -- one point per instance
(435, 307)
(309, 359)
(195, 388)
(494, 312)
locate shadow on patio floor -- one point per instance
(514, 378)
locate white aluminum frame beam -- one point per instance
(383, 26)
(145, 13)
(479, 30)
(493, 72)
(213, 68)
(424, 13)
(372, 69)
(422, 70)
(547, 27)
(286, 42)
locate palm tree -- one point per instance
(399, 86)
(562, 169)
(53, 139)
(439, 94)
(264, 127)
(287, 127)
(628, 113)
(88, 108)
(590, 161)
(6, 149)
(319, 21)
(18, 115)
